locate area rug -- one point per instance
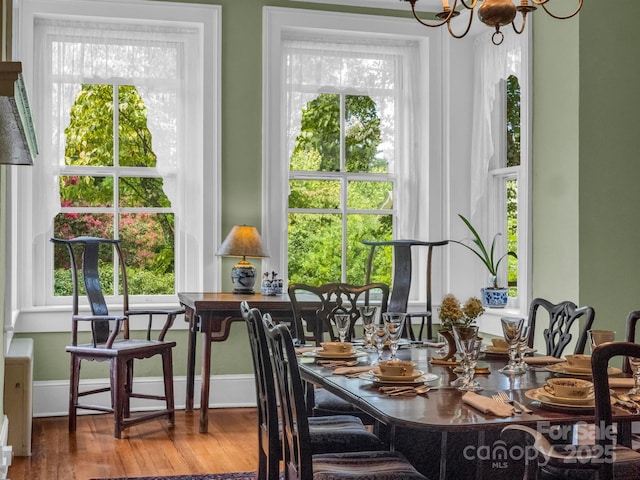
(205, 476)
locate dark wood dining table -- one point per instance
(446, 438)
(211, 314)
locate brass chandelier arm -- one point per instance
(543, 4)
(454, 35)
(558, 17)
(523, 11)
(444, 16)
(470, 7)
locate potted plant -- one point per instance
(492, 296)
(452, 314)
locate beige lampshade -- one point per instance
(242, 241)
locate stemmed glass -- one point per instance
(368, 314)
(512, 330)
(394, 324)
(522, 348)
(598, 337)
(635, 366)
(379, 337)
(469, 345)
(342, 324)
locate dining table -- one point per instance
(446, 438)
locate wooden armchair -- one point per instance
(401, 286)
(111, 340)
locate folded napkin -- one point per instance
(434, 344)
(488, 405)
(301, 350)
(543, 360)
(354, 370)
(621, 382)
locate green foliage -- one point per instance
(486, 256)
(315, 239)
(147, 238)
(513, 121)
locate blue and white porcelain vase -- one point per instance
(494, 297)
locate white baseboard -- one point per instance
(51, 398)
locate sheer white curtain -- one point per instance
(385, 70)
(493, 63)
(162, 61)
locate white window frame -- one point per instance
(430, 145)
(31, 256)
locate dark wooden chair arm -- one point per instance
(171, 315)
(94, 319)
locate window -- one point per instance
(122, 112)
(352, 159)
(507, 165)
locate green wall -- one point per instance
(609, 160)
(584, 167)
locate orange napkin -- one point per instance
(488, 405)
(542, 360)
(354, 370)
(621, 382)
(301, 350)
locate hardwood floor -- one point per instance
(147, 449)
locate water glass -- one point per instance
(369, 315)
(342, 324)
(598, 337)
(380, 338)
(522, 348)
(512, 330)
(469, 346)
(634, 362)
(394, 324)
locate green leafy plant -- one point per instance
(486, 256)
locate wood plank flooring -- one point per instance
(147, 449)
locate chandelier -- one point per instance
(494, 13)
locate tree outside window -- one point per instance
(110, 188)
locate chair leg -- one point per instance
(128, 388)
(74, 383)
(118, 393)
(167, 370)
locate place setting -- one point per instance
(335, 351)
(578, 365)
(573, 393)
(397, 372)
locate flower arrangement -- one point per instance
(452, 313)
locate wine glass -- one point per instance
(368, 314)
(394, 324)
(380, 338)
(512, 330)
(469, 345)
(522, 348)
(342, 324)
(635, 366)
(598, 337)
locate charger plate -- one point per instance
(370, 377)
(320, 353)
(564, 368)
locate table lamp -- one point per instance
(243, 241)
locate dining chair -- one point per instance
(111, 338)
(401, 283)
(329, 299)
(603, 460)
(562, 317)
(300, 463)
(332, 298)
(327, 434)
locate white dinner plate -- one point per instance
(566, 369)
(427, 377)
(320, 353)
